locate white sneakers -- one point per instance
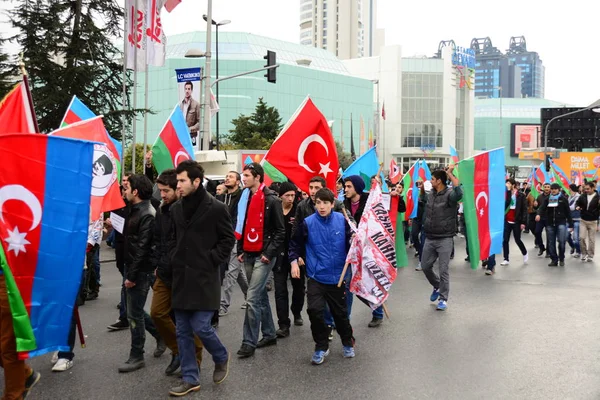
(525, 258)
(62, 365)
(505, 262)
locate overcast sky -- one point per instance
(565, 34)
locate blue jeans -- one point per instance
(198, 322)
(557, 233)
(96, 263)
(574, 237)
(139, 320)
(258, 310)
(491, 262)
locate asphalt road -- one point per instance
(528, 332)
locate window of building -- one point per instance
(324, 25)
(324, 41)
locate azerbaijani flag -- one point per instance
(421, 173)
(559, 176)
(366, 166)
(106, 193)
(407, 195)
(173, 144)
(43, 230)
(453, 156)
(76, 112)
(482, 180)
(590, 175)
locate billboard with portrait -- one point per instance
(188, 87)
(523, 136)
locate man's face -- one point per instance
(546, 189)
(323, 207)
(435, 183)
(399, 189)
(588, 189)
(313, 188)
(304, 195)
(287, 199)
(349, 189)
(125, 182)
(167, 194)
(129, 195)
(509, 186)
(220, 189)
(339, 185)
(185, 186)
(249, 180)
(554, 192)
(231, 181)
(188, 91)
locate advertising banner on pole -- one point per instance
(188, 88)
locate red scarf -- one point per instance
(255, 221)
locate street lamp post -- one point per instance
(217, 25)
(595, 106)
(376, 82)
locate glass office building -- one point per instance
(303, 71)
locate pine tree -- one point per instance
(7, 79)
(257, 131)
(69, 49)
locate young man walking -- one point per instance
(204, 239)
(325, 239)
(515, 219)
(439, 225)
(555, 209)
(588, 205)
(261, 233)
(576, 215)
(138, 270)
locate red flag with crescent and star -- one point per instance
(305, 148)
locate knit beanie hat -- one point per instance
(286, 187)
(357, 182)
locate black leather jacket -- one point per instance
(163, 244)
(138, 241)
(274, 228)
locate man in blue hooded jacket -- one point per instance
(325, 236)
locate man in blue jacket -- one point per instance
(326, 238)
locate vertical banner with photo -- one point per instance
(188, 83)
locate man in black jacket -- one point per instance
(235, 272)
(515, 217)
(139, 231)
(555, 208)
(204, 240)
(261, 233)
(540, 223)
(589, 206)
(163, 246)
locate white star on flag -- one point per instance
(481, 212)
(325, 169)
(16, 241)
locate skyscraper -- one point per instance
(346, 28)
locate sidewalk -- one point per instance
(107, 254)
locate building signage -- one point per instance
(464, 57)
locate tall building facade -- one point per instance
(518, 73)
(346, 28)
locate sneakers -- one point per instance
(418, 267)
(576, 255)
(119, 325)
(584, 258)
(62, 365)
(589, 259)
(161, 347)
(561, 263)
(330, 336)
(375, 322)
(525, 258)
(244, 306)
(54, 358)
(283, 332)
(184, 388)
(489, 272)
(348, 352)
(505, 262)
(442, 306)
(222, 312)
(553, 264)
(434, 295)
(221, 371)
(174, 365)
(319, 357)
(31, 381)
(133, 364)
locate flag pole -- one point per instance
(28, 90)
(124, 99)
(146, 113)
(385, 310)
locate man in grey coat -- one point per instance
(441, 206)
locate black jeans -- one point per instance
(139, 320)
(539, 229)
(91, 276)
(516, 231)
(318, 295)
(282, 298)
(531, 223)
(71, 341)
(415, 234)
(120, 261)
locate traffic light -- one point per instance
(548, 163)
(271, 74)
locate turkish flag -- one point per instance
(16, 111)
(395, 174)
(305, 148)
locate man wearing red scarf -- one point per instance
(261, 216)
